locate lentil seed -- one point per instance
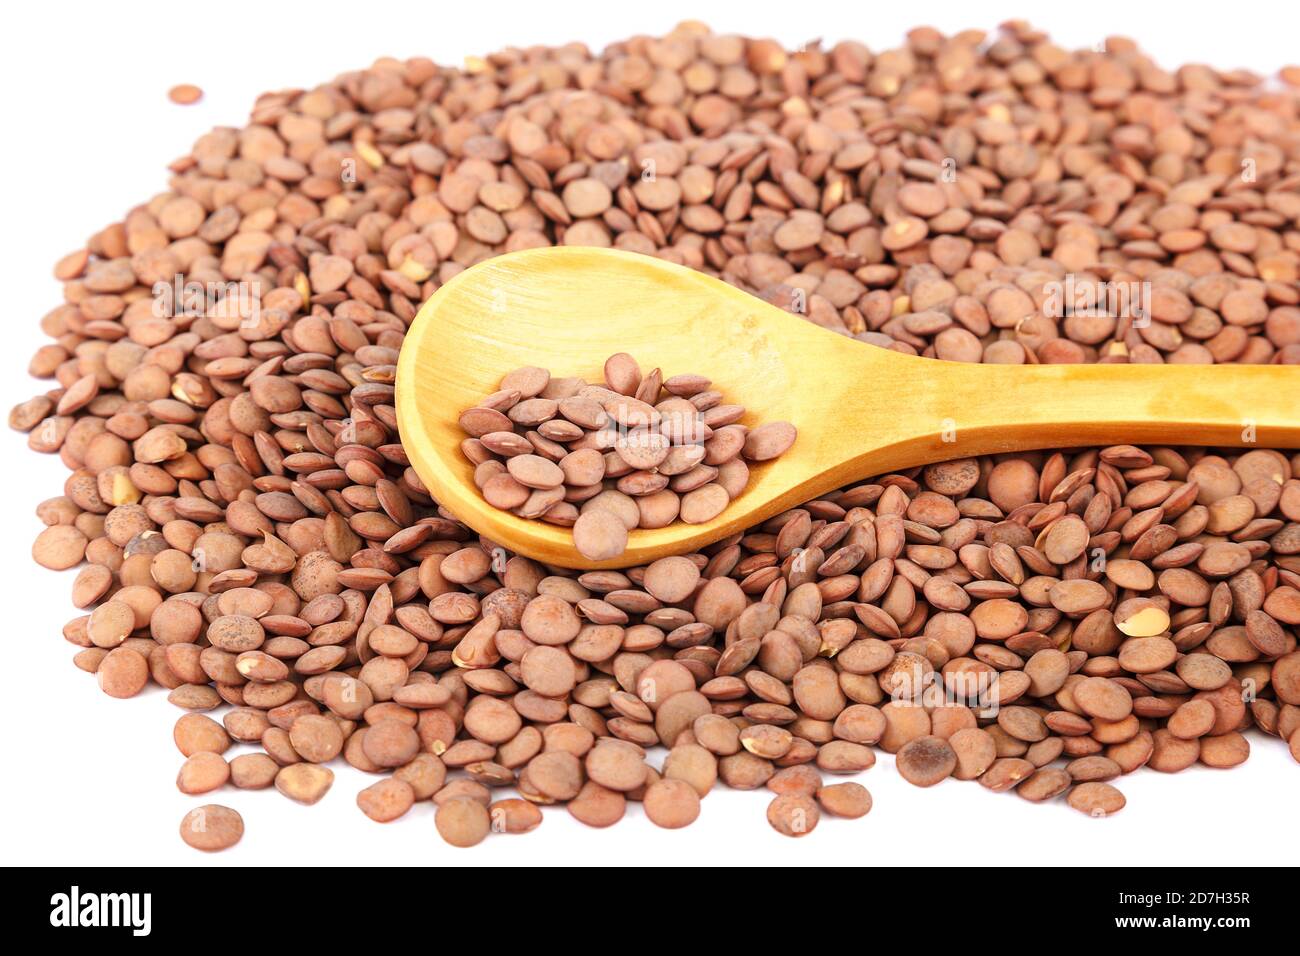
(1096, 799)
(793, 814)
(671, 804)
(462, 822)
(212, 827)
(926, 761)
(387, 800)
(848, 800)
(185, 94)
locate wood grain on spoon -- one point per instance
(860, 410)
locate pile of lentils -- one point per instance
(252, 538)
(633, 451)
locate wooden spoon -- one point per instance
(860, 410)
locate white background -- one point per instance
(87, 133)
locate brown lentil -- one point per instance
(122, 673)
(212, 827)
(793, 814)
(197, 733)
(514, 816)
(926, 761)
(1044, 784)
(201, 772)
(255, 771)
(597, 806)
(304, 782)
(671, 804)
(1096, 799)
(386, 800)
(184, 94)
(849, 800)
(462, 821)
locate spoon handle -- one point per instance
(984, 409)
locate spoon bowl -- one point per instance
(860, 410)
